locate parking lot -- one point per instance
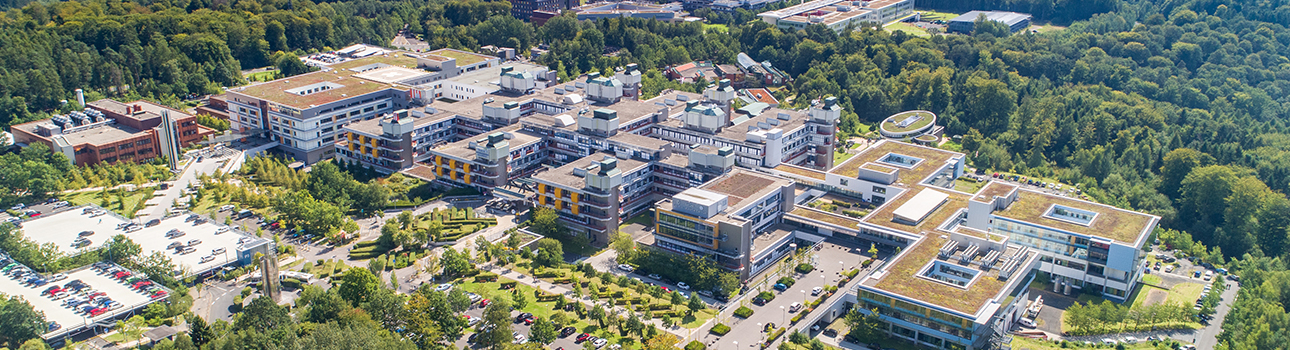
(63, 225)
(68, 319)
(208, 238)
(569, 342)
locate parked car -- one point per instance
(193, 242)
(1028, 323)
(794, 307)
(153, 222)
(682, 285)
(582, 337)
(626, 267)
(599, 343)
(781, 287)
(816, 290)
(567, 331)
(443, 287)
(655, 276)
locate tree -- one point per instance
(863, 326)
(121, 249)
(662, 341)
(314, 216)
(623, 244)
(542, 331)
(458, 300)
(386, 308)
(513, 241)
(358, 285)
(321, 305)
(695, 304)
(454, 263)
(547, 223)
(987, 103)
(262, 315)
(198, 331)
(34, 344)
(432, 320)
(550, 252)
(873, 250)
(495, 329)
(521, 301)
(677, 299)
(598, 313)
(1177, 164)
(19, 321)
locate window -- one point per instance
(879, 190)
(843, 182)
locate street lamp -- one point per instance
(783, 314)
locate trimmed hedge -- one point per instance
(565, 280)
(767, 296)
(796, 317)
(291, 283)
(486, 277)
(695, 345)
(743, 312)
(778, 333)
(660, 307)
(804, 268)
(788, 281)
(866, 263)
(508, 285)
(719, 329)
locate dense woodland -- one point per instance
(1177, 108)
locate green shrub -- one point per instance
(743, 312)
(246, 291)
(853, 213)
(564, 280)
(804, 268)
(767, 296)
(486, 277)
(797, 317)
(695, 345)
(508, 285)
(719, 329)
(292, 283)
(776, 335)
(788, 281)
(660, 307)
(866, 263)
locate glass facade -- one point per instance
(1041, 238)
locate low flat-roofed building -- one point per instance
(839, 15)
(960, 278)
(63, 227)
(730, 219)
(966, 22)
(618, 9)
(109, 131)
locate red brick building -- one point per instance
(110, 131)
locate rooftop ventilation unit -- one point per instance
(774, 122)
(783, 116)
(948, 248)
(969, 253)
(990, 259)
(682, 98)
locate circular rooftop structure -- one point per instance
(908, 123)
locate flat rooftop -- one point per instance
(149, 110)
(739, 132)
(800, 171)
(933, 160)
(491, 76)
(463, 58)
(462, 151)
(153, 239)
(392, 74)
(824, 217)
(994, 189)
(70, 321)
(100, 135)
(745, 186)
(1121, 225)
(901, 277)
(62, 228)
(766, 239)
(564, 176)
(341, 86)
(373, 126)
(639, 141)
(886, 214)
(398, 59)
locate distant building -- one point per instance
(760, 74)
(839, 15)
(216, 106)
(693, 71)
(525, 9)
(729, 6)
(108, 131)
(967, 22)
(663, 12)
(759, 95)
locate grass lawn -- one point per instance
(1045, 27)
(646, 218)
(261, 76)
(691, 321)
(931, 15)
(491, 290)
(717, 27)
(113, 203)
(1184, 293)
(968, 186)
(907, 28)
(839, 157)
(1036, 344)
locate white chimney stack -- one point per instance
(80, 97)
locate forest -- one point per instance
(1177, 108)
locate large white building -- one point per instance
(839, 15)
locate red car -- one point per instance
(121, 275)
(582, 337)
(484, 303)
(159, 294)
(142, 284)
(665, 289)
(52, 291)
(528, 321)
(97, 311)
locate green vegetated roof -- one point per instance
(889, 124)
